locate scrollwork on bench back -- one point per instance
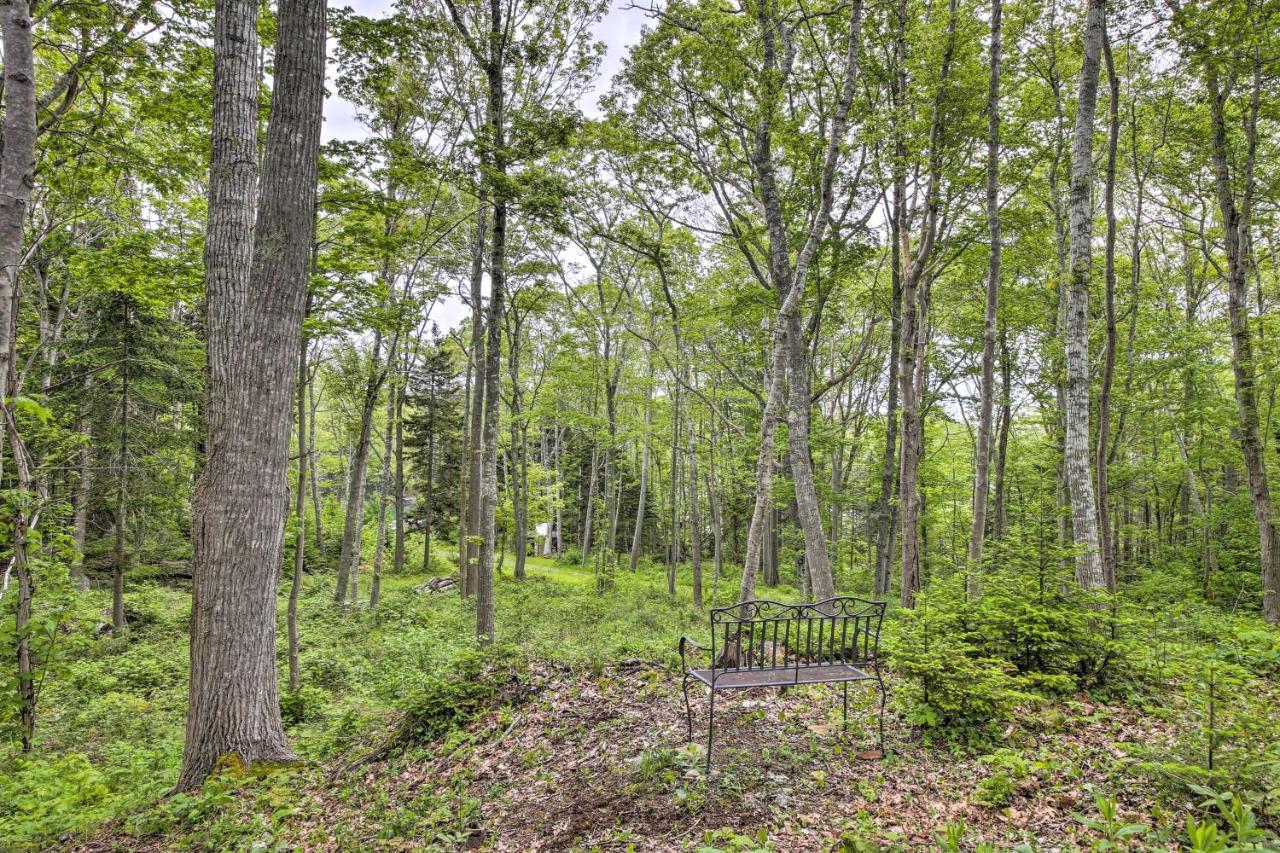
(764, 634)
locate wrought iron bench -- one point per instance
(770, 644)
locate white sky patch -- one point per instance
(619, 30)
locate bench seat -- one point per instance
(738, 679)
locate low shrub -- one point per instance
(440, 701)
(41, 798)
(301, 705)
(950, 684)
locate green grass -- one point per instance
(110, 727)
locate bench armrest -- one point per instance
(690, 643)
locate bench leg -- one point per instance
(883, 696)
(711, 729)
(688, 710)
(844, 718)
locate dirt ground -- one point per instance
(601, 761)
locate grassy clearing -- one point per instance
(981, 732)
(112, 709)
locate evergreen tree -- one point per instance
(433, 435)
(142, 369)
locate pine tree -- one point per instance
(433, 435)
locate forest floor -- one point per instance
(585, 749)
(600, 762)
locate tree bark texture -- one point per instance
(1084, 509)
(256, 282)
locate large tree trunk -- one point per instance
(1084, 509)
(917, 279)
(790, 360)
(982, 462)
(17, 174)
(17, 166)
(256, 290)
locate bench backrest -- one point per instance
(772, 635)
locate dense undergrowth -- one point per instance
(401, 679)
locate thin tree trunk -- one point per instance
(353, 524)
(465, 519)
(300, 513)
(471, 552)
(429, 502)
(255, 309)
(644, 470)
(1236, 225)
(610, 463)
(695, 523)
(496, 155)
(764, 469)
(886, 507)
(674, 554)
(1102, 455)
(1001, 523)
(80, 522)
(518, 479)
(590, 505)
(982, 466)
(316, 507)
(397, 564)
(1084, 509)
(119, 563)
(379, 549)
(557, 487)
(717, 527)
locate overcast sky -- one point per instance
(619, 30)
